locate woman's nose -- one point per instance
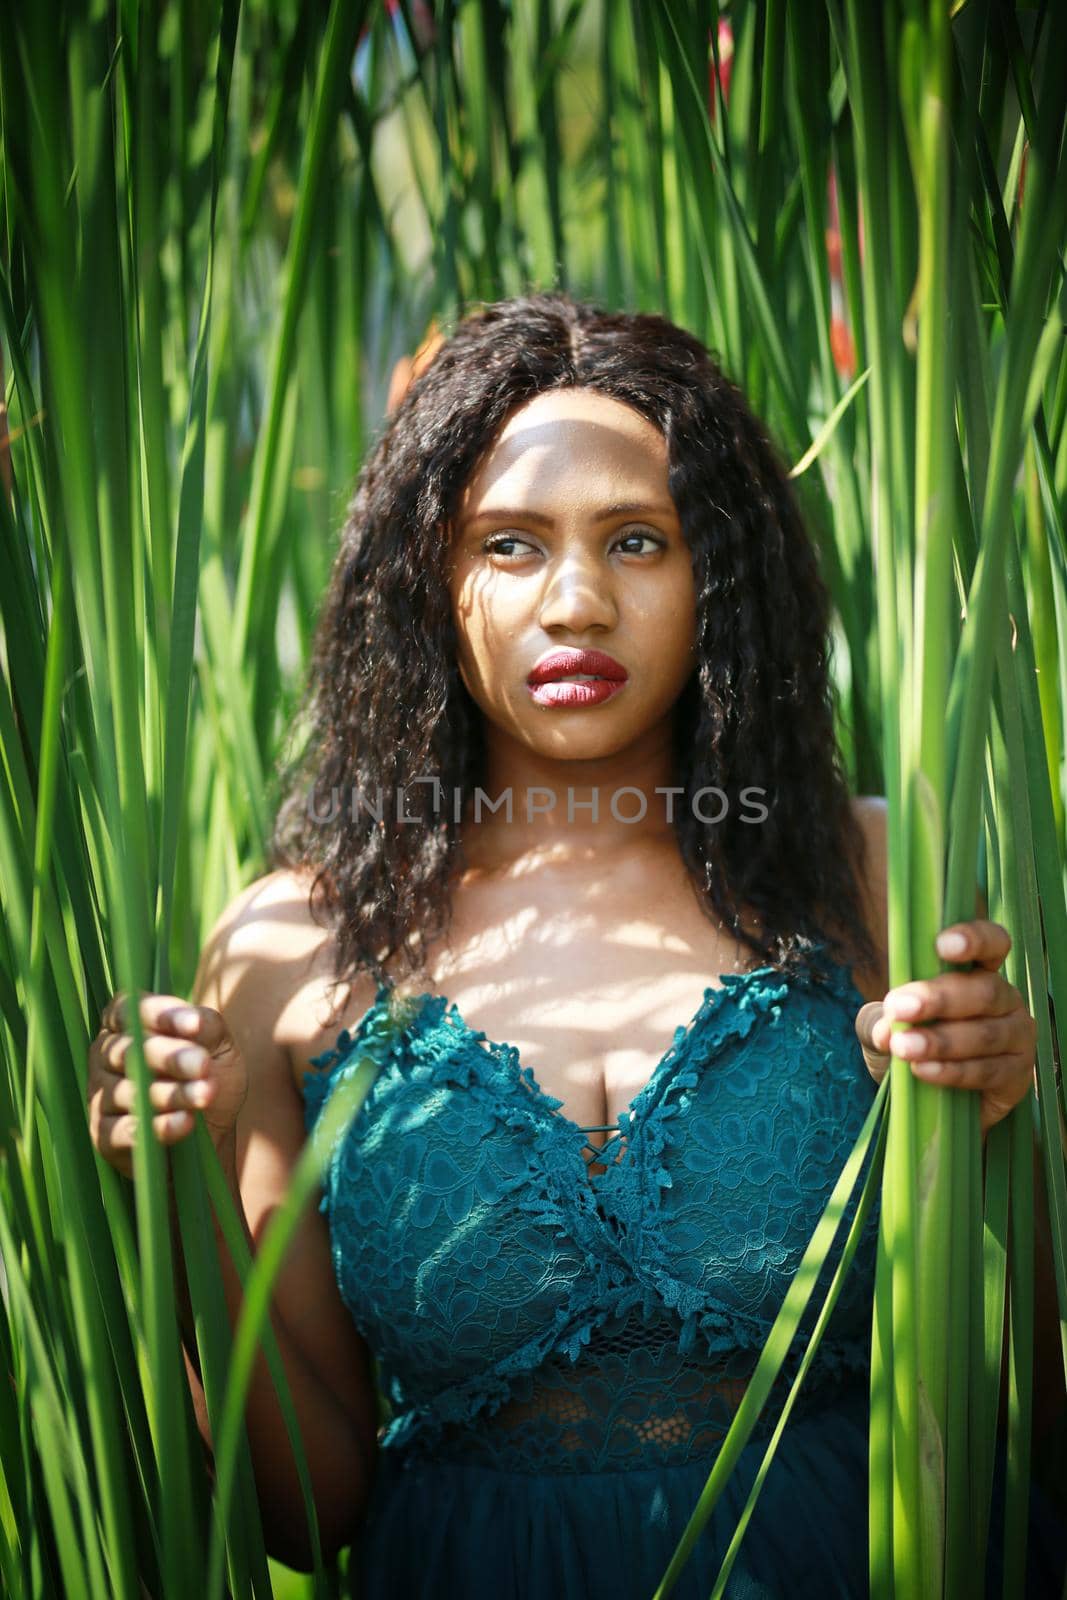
(577, 594)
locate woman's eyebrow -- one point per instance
(524, 514)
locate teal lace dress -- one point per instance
(563, 1351)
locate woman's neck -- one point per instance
(530, 805)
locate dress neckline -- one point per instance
(715, 997)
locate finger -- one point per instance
(869, 1026)
(170, 1015)
(164, 1094)
(867, 1021)
(980, 993)
(119, 1134)
(990, 1074)
(978, 1038)
(116, 1015)
(881, 1033)
(172, 1126)
(164, 1054)
(113, 1016)
(985, 943)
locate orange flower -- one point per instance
(408, 368)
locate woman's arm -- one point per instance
(339, 1457)
(326, 1362)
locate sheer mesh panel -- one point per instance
(631, 1400)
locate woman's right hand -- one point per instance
(195, 1066)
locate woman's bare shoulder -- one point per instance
(274, 959)
(264, 929)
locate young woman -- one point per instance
(570, 854)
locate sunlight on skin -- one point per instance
(572, 577)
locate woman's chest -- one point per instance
(589, 976)
(465, 1226)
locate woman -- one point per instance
(574, 574)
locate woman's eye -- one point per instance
(627, 538)
(504, 544)
(495, 546)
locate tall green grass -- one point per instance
(221, 226)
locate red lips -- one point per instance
(562, 663)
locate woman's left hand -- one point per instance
(972, 1029)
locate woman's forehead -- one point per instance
(573, 433)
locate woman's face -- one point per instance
(566, 538)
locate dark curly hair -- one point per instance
(385, 701)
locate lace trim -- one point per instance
(324, 1069)
(379, 1034)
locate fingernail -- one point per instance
(951, 944)
(198, 1094)
(903, 1005)
(928, 1069)
(910, 1040)
(187, 1018)
(189, 1060)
